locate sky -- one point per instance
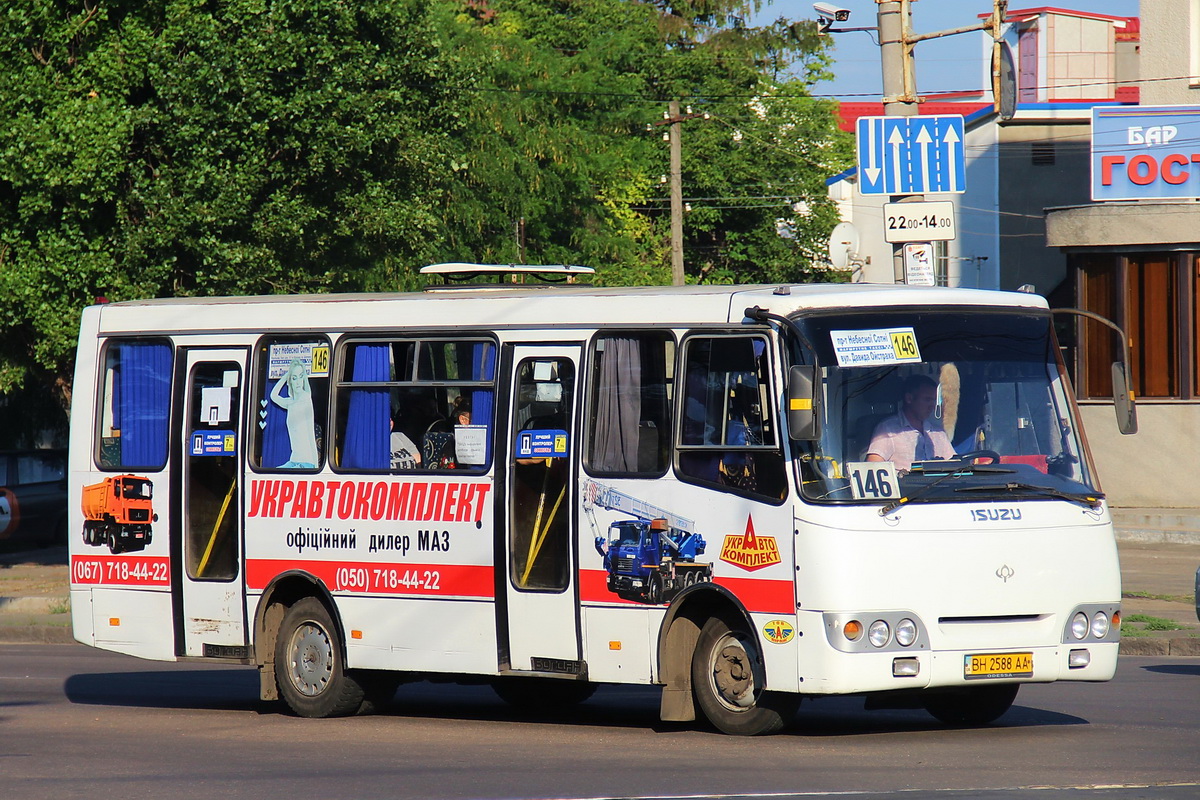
(949, 64)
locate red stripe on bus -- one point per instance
(123, 570)
(763, 596)
(370, 577)
(756, 594)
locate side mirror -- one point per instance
(801, 404)
(1123, 400)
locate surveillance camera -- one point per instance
(831, 12)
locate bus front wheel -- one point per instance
(728, 679)
(973, 705)
(309, 669)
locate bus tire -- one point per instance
(728, 679)
(654, 589)
(309, 668)
(972, 705)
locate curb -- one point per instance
(1157, 536)
(1179, 646)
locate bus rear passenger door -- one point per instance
(206, 535)
(541, 592)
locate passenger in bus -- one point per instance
(439, 447)
(910, 435)
(405, 453)
(301, 420)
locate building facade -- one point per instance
(1137, 262)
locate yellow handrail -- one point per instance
(212, 539)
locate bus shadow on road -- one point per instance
(181, 689)
(847, 716)
(611, 707)
(1174, 669)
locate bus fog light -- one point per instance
(906, 632)
(853, 630)
(1100, 625)
(905, 667)
(1078, 659)
(879, 633)
(1079, 625)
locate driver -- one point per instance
(910, 435)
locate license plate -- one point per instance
(998, 665)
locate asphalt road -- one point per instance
(77, 722)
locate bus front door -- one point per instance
(206, 533)
(540, 464)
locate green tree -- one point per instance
(185, 148)
(556, 138)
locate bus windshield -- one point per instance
(906, 393)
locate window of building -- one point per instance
(1042, 154)
(293, 402)
(135, 404)
(727, 435)
(408, 404)
(1154, 298)
(629, 420)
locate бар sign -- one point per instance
(1145, 152)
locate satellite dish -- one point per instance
(843, 245)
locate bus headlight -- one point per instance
(906, 632)
(1100, 625)
(879, 633)
(1079, 625)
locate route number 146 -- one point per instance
(873, 480)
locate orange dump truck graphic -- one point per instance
(117, 512)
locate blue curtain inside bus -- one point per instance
(142, 402)
(483, 368)
(365, 445)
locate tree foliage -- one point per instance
(203, 147)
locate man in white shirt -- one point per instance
(909, 435)
(405, 453)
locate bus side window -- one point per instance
(631, 391)
(415, 404)
(292, 402)
(727, 434)
(135, 404)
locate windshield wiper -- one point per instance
(963, 468)
(1092, 500)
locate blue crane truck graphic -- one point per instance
(650, 558)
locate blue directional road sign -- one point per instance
(911, 155)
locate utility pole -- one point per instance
(896, 42)
(674, 138)
(894, 18)
(676, 187)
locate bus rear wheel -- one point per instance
(728, 679)
(972, 705)
(309, 669)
